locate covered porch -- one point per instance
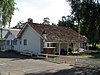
(62, 48)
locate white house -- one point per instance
(3, 32)
(51, 39)
(10, 39)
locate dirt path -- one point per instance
(16, 64)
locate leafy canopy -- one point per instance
(87, 14)
(6, 12)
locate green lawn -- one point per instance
(98, 46)
(86, 55)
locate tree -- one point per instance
(62, 22)
(19, 25)
(87, 14)
(67, 21)
(46, 21)
(6, 12)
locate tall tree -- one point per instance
(87, 13)
(62, 22)
(67, 21)
(6, 12)
(46, 21)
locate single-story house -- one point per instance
(10, 39)
(49, 39)
(3, 32)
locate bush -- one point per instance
(0, 50)
(92, 48)
(10, 51)
(98, 47)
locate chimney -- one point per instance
(30, 20)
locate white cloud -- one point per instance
(38, 9)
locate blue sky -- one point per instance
(39, 9)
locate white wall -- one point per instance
(10, 37)
(17, 46)
(33, 41)
(12, 47)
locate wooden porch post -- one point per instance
(45, 44)
(49, 44)
(79, 46)
(59, 48)
(87, 46)
(84, 47)
(67, 48)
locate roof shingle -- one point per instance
(58, 34)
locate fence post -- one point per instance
(76, 60)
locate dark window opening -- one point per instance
(25, 42)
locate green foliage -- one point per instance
(6, 12)
(0, 50)
(87, 14)
(67, 21)
(86, 55)
(46, 21)
(10, 51)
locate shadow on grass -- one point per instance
(16, 55)
(94, 54)
(12, 55)
(72, 71)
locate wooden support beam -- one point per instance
(67, 48)
(59, 48)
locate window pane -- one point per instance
(15, 42)
(25, 42)
(8, 42)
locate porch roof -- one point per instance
(57, 33)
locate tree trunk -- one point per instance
(94, 45)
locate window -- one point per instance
(12, 42)
(47, 44)
(15, 42)
(71, 45)
(20, 42)
(25, 42)
(8, 42)
(53, 44)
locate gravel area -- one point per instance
(16, 64)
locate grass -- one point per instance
(10, 51)
(80, 56)
(0, 51)
(86, 55)
(98, 46)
